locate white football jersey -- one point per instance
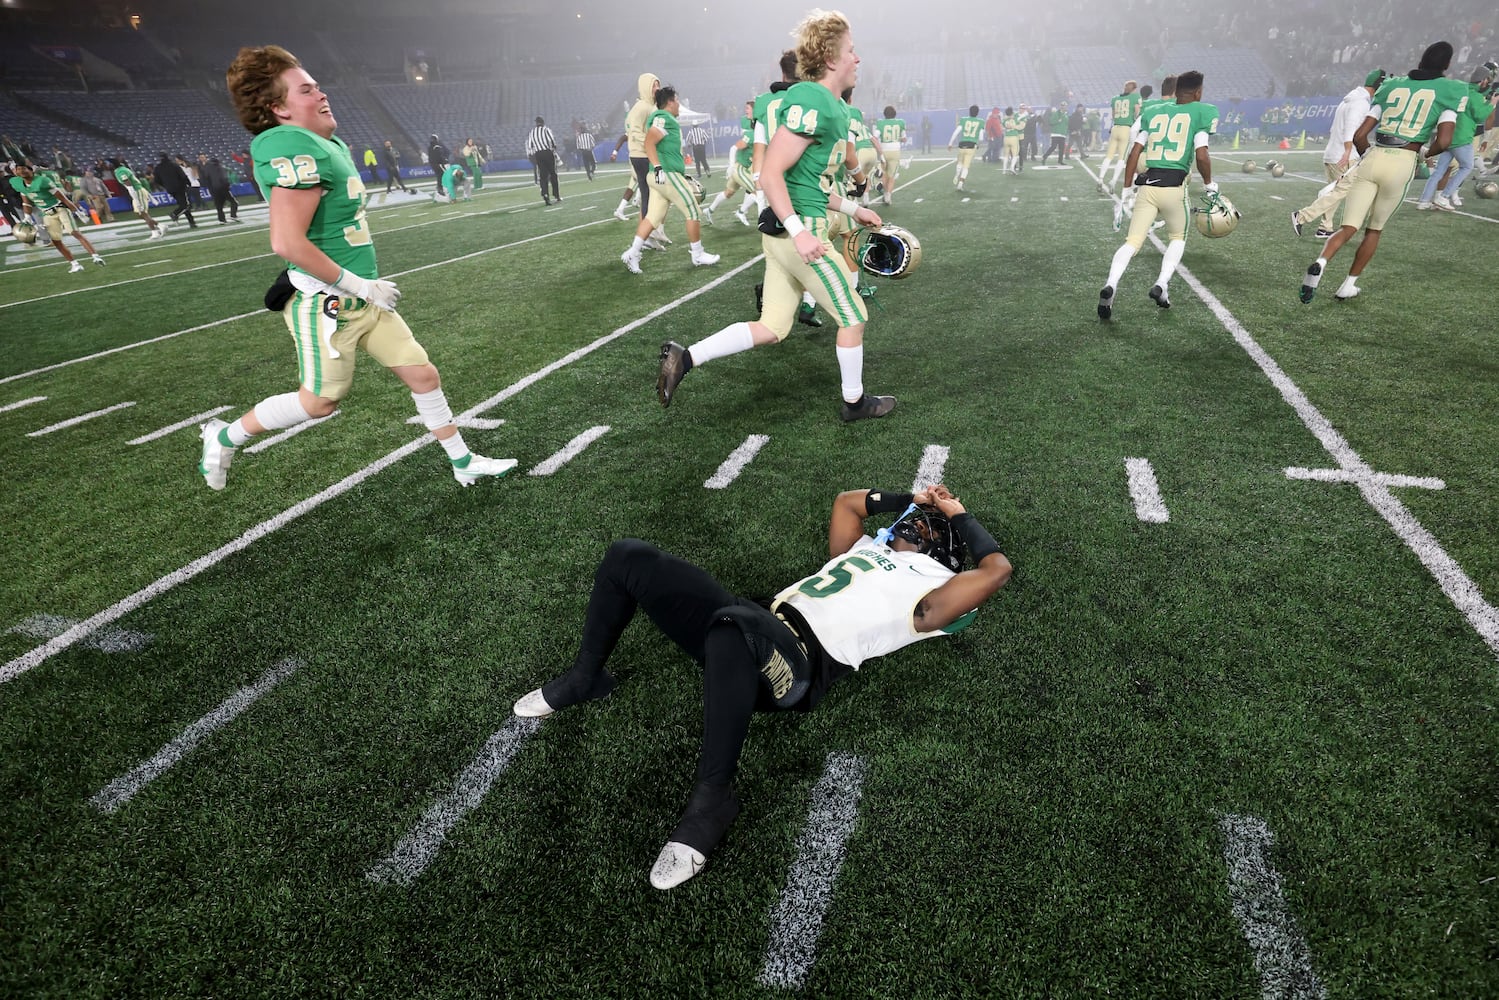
(860, 604)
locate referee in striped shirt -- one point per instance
(586, 142)
(541, 147)
(697, 138)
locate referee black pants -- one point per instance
(546, 172)
(682, 600)
(642, 167)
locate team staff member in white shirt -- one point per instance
(1339, 158)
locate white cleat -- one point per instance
(214, 463)
(98, 260)
(1457, 201)
(704, 259)
(740, 216)
(632, 261)
(676, 864)
(477, 466)
(622, 217)
(533, 706)
(659, 235)
(1344, 294)
(1423, 206)
(707, 215)
(76, 267)
(1441, 204)
(157, 233)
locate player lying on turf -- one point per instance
(873, 596)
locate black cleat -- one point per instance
(867, 408)
(1158, 296)
(1309, 284)
(807, 315)
(1106, 302)
(675, 362)
(1296, 222)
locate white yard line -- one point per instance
(933, 464)
(20, 403)
(570, 451)
(1145, 492)
(154, 263)
(1281, 955)
(121, 790)
(417, 849)
(74, 421)
(796, 923)
(112, 640)
(738, 459)
(468, 423)
(179, 425)
(1378, 478)
(1456, 584)
(290, 432)
(26, 661)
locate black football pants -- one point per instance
(682, 600)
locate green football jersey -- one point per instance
(669, 146)
(891, 130)
(288, 156)
(42, 191)
(858, 130)
(1470, 121)
(816, 113)
(744, 156)
(1014, 126)
(450, 180)
(1125, 109)
(128, 179)
(1409, 109)
(767, 113)
(1169, 132)
(970, 130)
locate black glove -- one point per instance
(858, 189)
(280, 292)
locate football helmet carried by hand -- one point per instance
(1217, 216)
(25, 232)
(888, 251)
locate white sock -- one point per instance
(749, 200)
(1349, 284)
(718, 199)
(624, 203)
(760, 200)
(730, 340)
(851, 368)
(808, 300)
(1122, 257)
(274, 413)
(1313, 280)
(697, 248)
(433, 408)
(1170, 259)
(637, 245)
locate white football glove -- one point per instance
(1210, 188)
(379, 293)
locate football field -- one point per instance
(1228, 732)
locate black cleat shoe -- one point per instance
(1326, 234)
(867, 408)
(1296, 222)
(1106, 302)
(675, 361)
(807, 315)
(1158, 296)
(1309, 285)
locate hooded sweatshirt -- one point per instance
(640, 113)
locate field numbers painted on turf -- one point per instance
(1281, 955)
(1145, 492)
(112, 640)
(75, 421)
(179, 425)
(290, 432)
(736, 462)
(570, 451)
(24, 402)
(796, 922)
(120, 791)
(417, 849)
(933, 463)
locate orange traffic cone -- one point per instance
(1285, 144)
(95, 216)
